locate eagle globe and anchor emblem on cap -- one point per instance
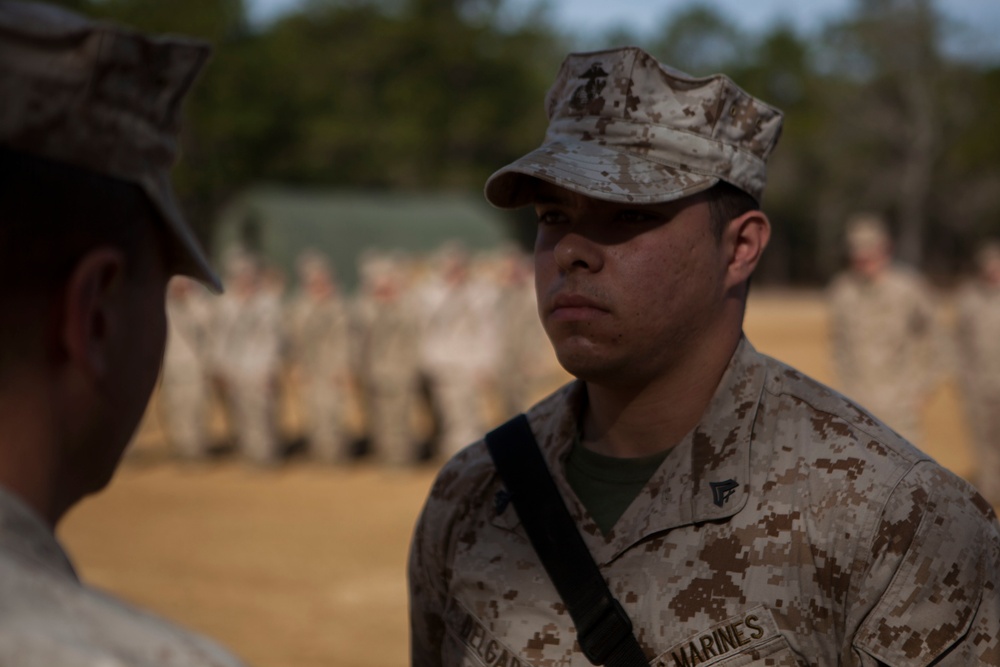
(596, 80)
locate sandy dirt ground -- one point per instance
(305, 566)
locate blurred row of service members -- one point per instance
(891, 351)
(451, 336)
(457, 337)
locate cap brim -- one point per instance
(188, 258)
(595, 171)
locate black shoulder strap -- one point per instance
(603, 628)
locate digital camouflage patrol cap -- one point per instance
(104, 98)
(624, 128)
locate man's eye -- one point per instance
(550, 217)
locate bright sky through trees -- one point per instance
(980, 18)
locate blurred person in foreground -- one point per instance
(740, 512)
(90, 233)
(978, 348)
(318, 336)
(887, 344)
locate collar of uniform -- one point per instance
(681, 492)
(26, 537)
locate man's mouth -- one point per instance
(576, 307)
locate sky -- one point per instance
(980, 18)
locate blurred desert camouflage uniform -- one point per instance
(790, 527)
(525, 354)
(105, 98)
(888, 347)
(185, 387)
(389, 361)
(455, 349)
(978, 351)
(247, 351)
(319, 344)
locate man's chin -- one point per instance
(587, 365)
(607, 366)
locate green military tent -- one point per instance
(280, 222)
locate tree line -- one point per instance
(436, 94)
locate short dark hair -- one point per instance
(726, 202)
(52, 214)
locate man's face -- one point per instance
(991, 271)
(319, 283)
(871, 262)
(625, 291)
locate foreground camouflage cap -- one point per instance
(624, 128)
(101, 97)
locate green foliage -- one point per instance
(419, 95)
(699, 40)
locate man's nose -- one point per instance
(577, 251)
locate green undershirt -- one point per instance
(607, 485)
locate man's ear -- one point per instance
(748, 235)
(89, 309)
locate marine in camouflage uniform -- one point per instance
(837, 544)
(318, 336)
(978, 348)
(389, 359)
(248, 355)
(455, 347)
(775, 521)
(185, 383)
(90, 233)
(887, 344)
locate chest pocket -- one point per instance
(751, 638)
